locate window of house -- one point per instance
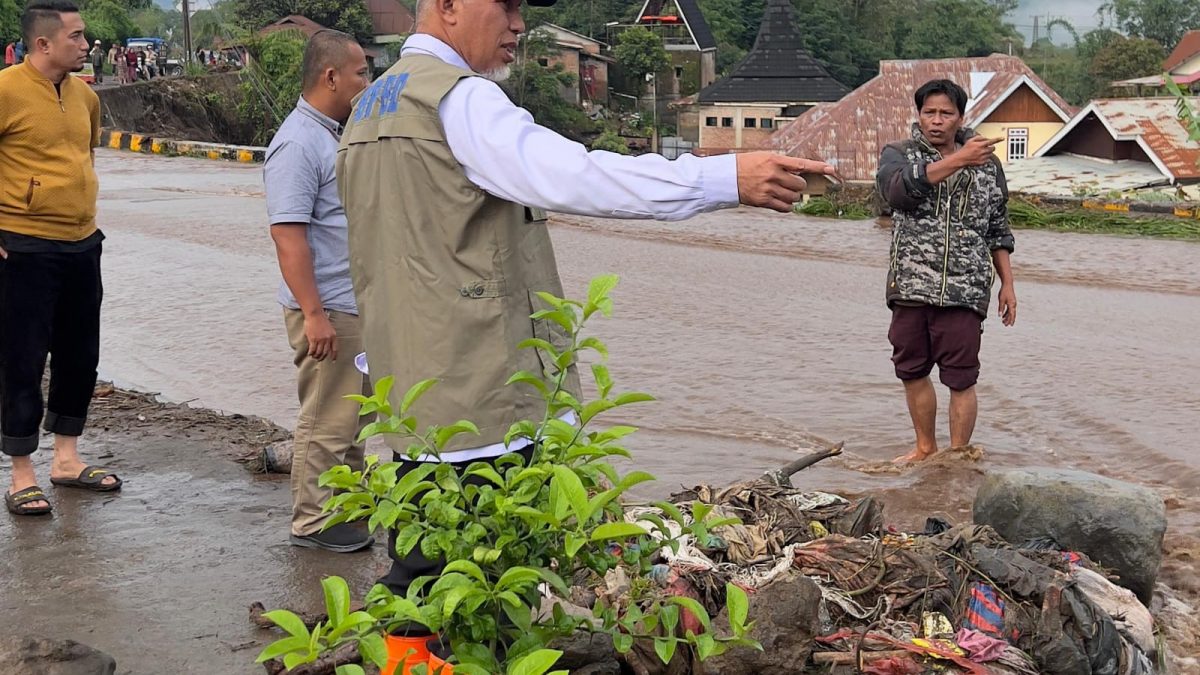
(767, 123)
(679, 72)
(726, 121)
(750, 122)
(1018, 144)
(543, 61)
(710, 121)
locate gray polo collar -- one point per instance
(321, 118)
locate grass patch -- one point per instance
(823, 207)
(1027, 216)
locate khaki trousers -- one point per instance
(329, 423)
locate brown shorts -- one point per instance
(923, 335)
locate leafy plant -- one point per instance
(271, 84)
(612, 142)
(1183, 105)
(641, 53)
(509, 530)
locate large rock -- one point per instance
(39, 656)
(1119, 525)
(786, 619)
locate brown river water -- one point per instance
(763, 337)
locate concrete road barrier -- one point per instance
(125, 140)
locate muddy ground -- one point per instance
(161, 575)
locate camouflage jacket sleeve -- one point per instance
(999, 232)
(902, 183)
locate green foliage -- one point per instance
(271, 84)
(10, 21)
(507, 529)
(640, 53)
(1164, 21)
(348, 16)
(1186, 111)
(823, 207)
(612, 142)
(539, 88)
(1125, 58)
(1026, 215)
(108, 21)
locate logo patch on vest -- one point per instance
(381, 98)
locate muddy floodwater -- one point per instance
(763, 337)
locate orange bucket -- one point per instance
(404, 653)
(439, 667)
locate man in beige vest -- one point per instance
(442, 175)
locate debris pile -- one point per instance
(948, 599)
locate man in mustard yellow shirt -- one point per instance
(50, 287)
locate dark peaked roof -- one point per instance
(693, 17)
(777, 69)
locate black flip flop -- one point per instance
(18, 504)
(92, 479)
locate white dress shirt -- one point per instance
(508, 155)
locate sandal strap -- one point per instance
(26, 496)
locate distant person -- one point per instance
(19, 49)
(50, 286)
(143, 73)
(10, 55)
(121, 66)
(97, 55)
(151, 63)
(308, 225)
(952, 239)
(112, 59)
(131, 64)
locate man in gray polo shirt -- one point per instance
(308, 225)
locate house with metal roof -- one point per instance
(585, 59)
(1114, 144)
(1007, 100)
(775, 82)
(1182, 64)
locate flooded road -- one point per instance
(763, 337)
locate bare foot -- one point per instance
(917, 455)
(67, 469)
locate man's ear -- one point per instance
(330, 78)
(448, 9)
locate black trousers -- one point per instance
(49, 305)
(411, 567)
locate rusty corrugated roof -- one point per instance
(1155, 121)
(851, 133)
(390, 17)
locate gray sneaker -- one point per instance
(342, 538)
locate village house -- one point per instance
(1182, 64)
(776, 82)
(391, 23)
(1114, 145)
(582, 57)
(689, 42)
(1007, 101)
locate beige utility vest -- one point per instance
(444, 273)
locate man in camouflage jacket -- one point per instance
(952, 239)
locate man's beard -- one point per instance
(497, 74)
